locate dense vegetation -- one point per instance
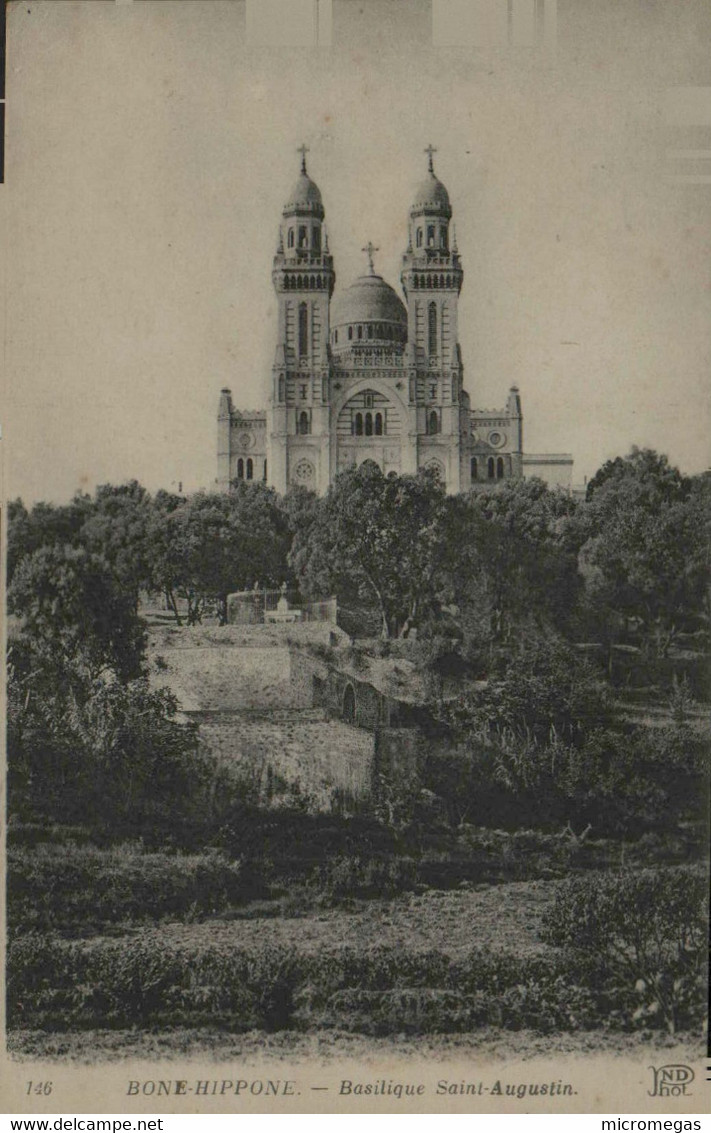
(60, 984)
(536, 766)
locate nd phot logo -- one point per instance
(671, 1081)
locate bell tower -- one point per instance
(303, 278)
(432, 280)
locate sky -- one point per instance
(149, 152)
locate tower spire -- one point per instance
(430, 150)
(369, 249)
(303, 150)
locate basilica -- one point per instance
(369, 374)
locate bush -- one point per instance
(624, 781)
(142, 982)
(649, 929)
(70, 887)
(54, 983)
(344, 877)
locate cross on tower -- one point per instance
(303, 150)
(369, 249)
(430, 150)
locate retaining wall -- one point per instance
(329, 761)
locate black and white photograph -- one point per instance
(356, 537)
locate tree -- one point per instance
(514, 556)
(75, 616)
(380, 538)
(648, 468)
(88, 740)
(119, 529)
(546, 689)
(213, 543)
(644, 533)
(650, 930)
(112, 754)
(166, 553)
(46, 525)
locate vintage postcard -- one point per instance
(357, 510)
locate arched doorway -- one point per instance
(349, 705)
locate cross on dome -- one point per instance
(303, 150)
(430, 150)
(369, 249)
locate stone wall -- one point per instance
(225, 677)
(231, 667)
(328, 762)
(273, 711)
(399, 756)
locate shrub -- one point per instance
(354, 876)
(143, 982)
(79, 886)
(649, 930)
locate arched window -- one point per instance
(360, 332)
(290, 238)
(378, 424)
(490, 468)
(474, 468)
(335, 337)
(303, 330)
(416, 282)
(443, 237)
(264, 477)
(303, 236)
(350, 333)
(369, 424)
(316, 239)
(318, 282)
(240, 469)
(299, 282)
(349, 705)
(449, 281)
(282, 388)
(429, 281)
(359, 424)
(419, 237)
(499, 468)
(370, 330)
(433, 423)
(250, 468)
(430, 235)
(432, 328)
(441, 281)
(435, 281)
(303, 423)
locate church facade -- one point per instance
(370, 375)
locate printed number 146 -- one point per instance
(39, 1088)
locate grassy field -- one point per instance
(503, 917)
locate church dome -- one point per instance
(369, 300)
(305, 197)
(431, 197)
